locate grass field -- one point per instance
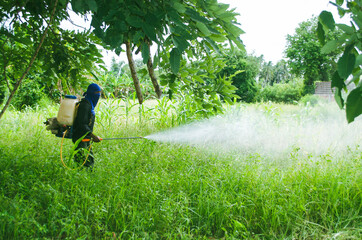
(142, 189)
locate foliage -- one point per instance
(244, 70)
(117, 82)
(349, 64)
(198, 86)
(71, 57)
(30, 94)
(305, 56)
(65, 60)
(2, 92)
(174, 26)
(289, 93)
(271, 74)
(149, 190)
(168, 23)
(310, 99)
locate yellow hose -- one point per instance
(61, 154)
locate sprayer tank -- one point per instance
(66, 111)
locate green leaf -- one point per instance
(358, 60)
(202, 27)
(113, 37)
(175, 60)
(340, 2)
(92, 5)
(326, 18)
(345, 28)
(179, 7)
(338, 98)
(329, 47)
(180, 42)
(356, 77)
(358, 21)
(145, 52)
(196, 16)
(163, 82)
(198, 78)
(181, 31)
(346, 64)
(238, 43)
(212, 44)
(137, 37)
(337, 81)
(150, 32)
(354, 104)
(78, 6)
(134, 21)
(321, 34)
(234, 30)
(156, 60)
(341, 12)
(227, 16)
(218, 38)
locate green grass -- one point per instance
(140, 189)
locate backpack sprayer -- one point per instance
(62, 125)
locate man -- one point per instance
(83, 125)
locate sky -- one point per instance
(266, 24)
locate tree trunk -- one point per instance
(153, 77)
(18, 83)
(132, 67)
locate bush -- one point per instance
(29, 94)
(310, 99)
(282, 93)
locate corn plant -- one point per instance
(109, 112)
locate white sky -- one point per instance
(266, 24)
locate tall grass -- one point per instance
(141, 189)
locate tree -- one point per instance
(245, 70)
(172, 25)
(8, 34)
(175, 26)
(305, 57)
(349, 63)
(281, 73)
(266, 74)
(32, 42)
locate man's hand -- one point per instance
(95, 138)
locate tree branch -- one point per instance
(16, 86)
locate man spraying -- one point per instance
(83, 125)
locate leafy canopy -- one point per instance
(65, 58)
(172, 23)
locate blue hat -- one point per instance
(93, 94)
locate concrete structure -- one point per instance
(324, 90)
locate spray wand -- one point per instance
(120, 138)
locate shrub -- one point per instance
(282, 93)
(310, 99)
(29, 94)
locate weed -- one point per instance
(143, 189)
